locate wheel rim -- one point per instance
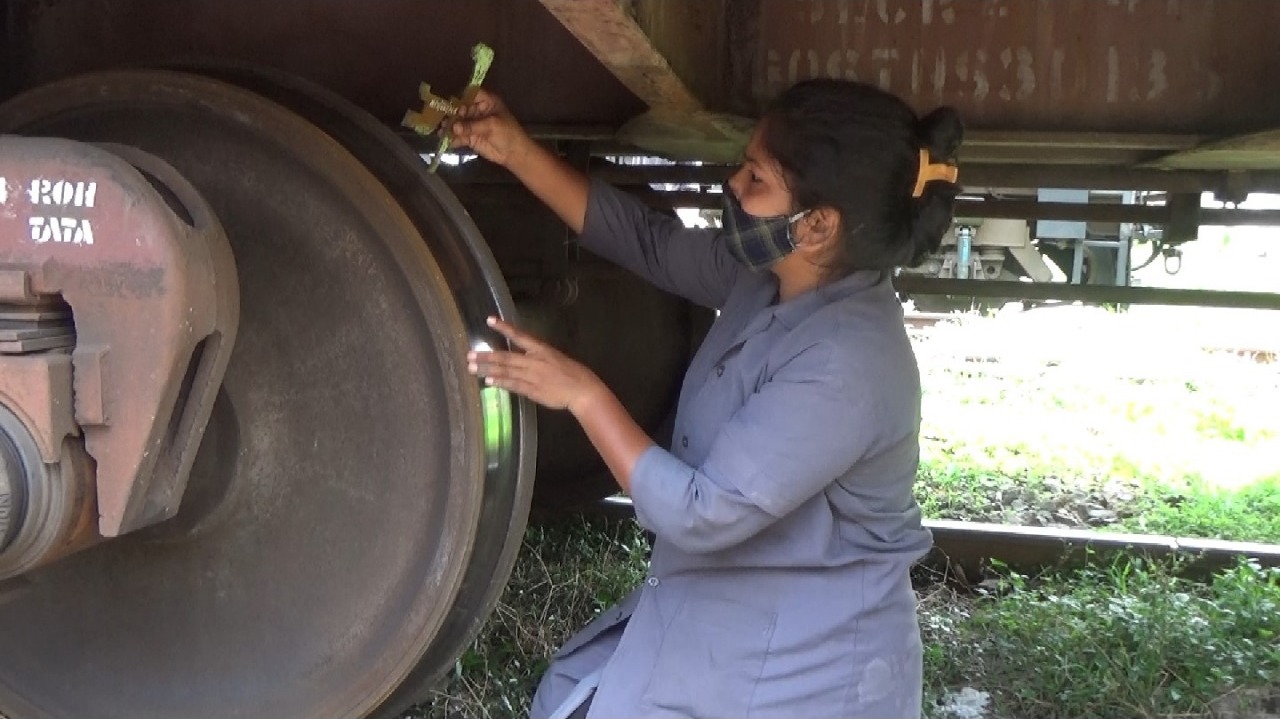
(347, 454)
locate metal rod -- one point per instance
(980, 176)
(617, 174)
(1144, 214)
(1034, 139)
(918, 284)
(972, 175)
(1033, 210)
(1025, 176)
(970, 544)
(578, 133)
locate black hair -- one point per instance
(856, 148)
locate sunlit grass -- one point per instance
(1129, 639)
(1110, 416)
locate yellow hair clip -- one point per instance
(930, 171)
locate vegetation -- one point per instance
(1127, 640)
(566, 573)
(1098, 420)
(1036, 430)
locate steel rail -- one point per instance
(971, 545)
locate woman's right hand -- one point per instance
(488, 128)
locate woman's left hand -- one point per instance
(539, 372)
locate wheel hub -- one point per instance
(12, 491)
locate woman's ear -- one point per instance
(818, 231)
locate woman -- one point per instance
(783, 517)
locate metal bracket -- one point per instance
(435, 108)
(151, 285)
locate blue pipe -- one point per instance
(964, 248)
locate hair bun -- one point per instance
(941, 132)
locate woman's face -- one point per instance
(758, 183)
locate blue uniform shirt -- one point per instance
(783, 515)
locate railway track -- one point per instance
(963, 548)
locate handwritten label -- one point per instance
(65, 230)
(4, 192)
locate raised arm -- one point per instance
(611, 223)
(488, 128)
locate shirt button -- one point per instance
(719, 370)
(652, 581)
(684, 441)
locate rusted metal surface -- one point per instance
(1084, 65)
(1257, 151)
(37, 388)
(676, 123)
(372, 54)
(352, 471)
(1095, 70)
(614, 38)
(694, 39)
(154, 302)
(56, 512)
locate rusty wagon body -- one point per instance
(244, 472)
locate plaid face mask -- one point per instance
(757, 242)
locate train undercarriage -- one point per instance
(244, 470)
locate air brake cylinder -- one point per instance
(118, 311)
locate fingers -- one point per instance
(519, 373)
(484, 103)
(463, 124)
(484, 96)
(496, 366)
(499, 363)
(518, 337)
(460, 131)
(539, 372)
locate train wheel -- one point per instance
(358, 500)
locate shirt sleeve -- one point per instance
(692, 263)
(793, 438)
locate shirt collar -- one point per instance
(792, 312)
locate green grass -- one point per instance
(1194, 508)
(1127, 640)
(1119, 433)
(567, 572)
